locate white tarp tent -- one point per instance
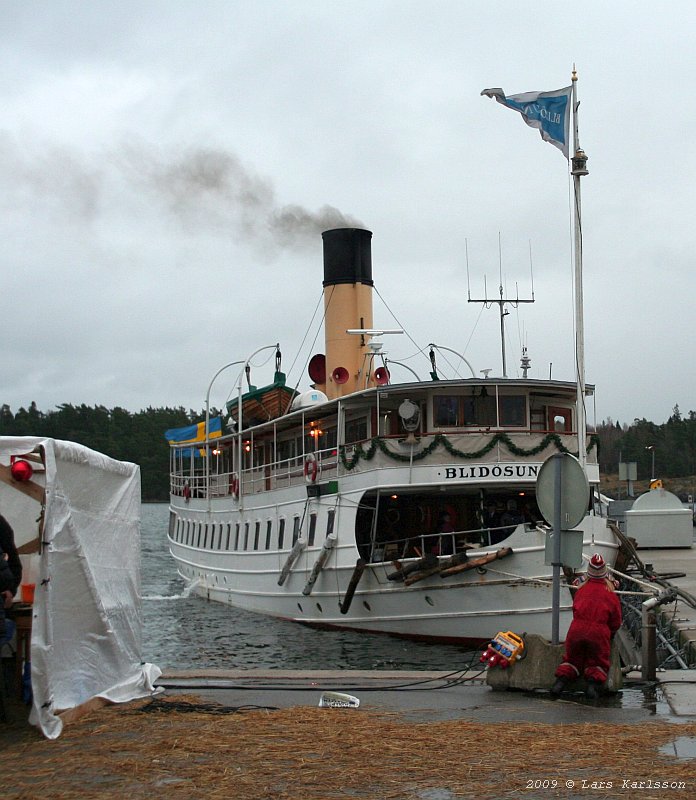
(80, 511)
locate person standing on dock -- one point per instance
(13, 562)
(10, 574)
(596, 618)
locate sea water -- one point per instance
(188, 632)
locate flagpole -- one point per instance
(578, 169)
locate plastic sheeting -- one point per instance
(87, 623)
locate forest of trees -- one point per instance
(674, 444)
(139, 437)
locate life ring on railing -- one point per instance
(234, 485)
(310, 468)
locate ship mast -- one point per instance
(501, 301)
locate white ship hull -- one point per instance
(512, 593)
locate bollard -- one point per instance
(649, 632)
(648, 645)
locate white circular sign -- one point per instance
(575, 490)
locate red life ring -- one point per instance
(310, 468)
(234, 485)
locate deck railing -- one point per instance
(395, 451)
(438, 543)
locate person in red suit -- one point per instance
(596, 618)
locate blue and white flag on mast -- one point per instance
(548, 112)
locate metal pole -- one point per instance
(239, 416)
(556, 563)
(502, 332)
(207, 429)
(578, 169)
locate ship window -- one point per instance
(513, 411)
(480, 409)
(356, 430)
(330, 521)
(295, 530)
(257, 531)
(173, 524)
(269, 526)
(329, 439)
(446, 412)
(200, 533)
(312, 528)
(236, 537)
(246, 536)
(560, 419)
(229, 534)
(219, 540)
(281, 532)
(286, 450)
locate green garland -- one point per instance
(440, 439)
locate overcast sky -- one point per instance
(167, 169)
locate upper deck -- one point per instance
(472, 429)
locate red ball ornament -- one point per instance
(21, 470)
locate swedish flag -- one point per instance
(194, 433)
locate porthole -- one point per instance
(300, 607)
(367, 605)
(321, 610)
(429, 600)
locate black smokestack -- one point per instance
(347, 256)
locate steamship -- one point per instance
(401, 508)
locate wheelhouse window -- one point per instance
(447, 411)
(480, 409)
(513, 411)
